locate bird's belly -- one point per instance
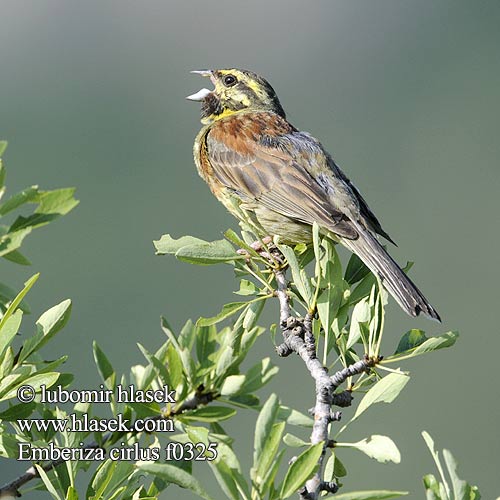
(275, 224)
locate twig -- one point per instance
(299, 338)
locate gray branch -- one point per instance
(298, 338)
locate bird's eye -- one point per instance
(229, 80)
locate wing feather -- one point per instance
(289, 173)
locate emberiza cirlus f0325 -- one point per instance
(284, 180)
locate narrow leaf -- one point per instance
(301, 470)
(15, 303)
(269, 452)
(205, 253)
(294, 441)
(263, 426)
(24, 196)
(209, 414)
(381, 448)
(174, 475)
(385, 390)
(104, 366)
(47, 482)
(9, 330)
(168, 245)
(227, 311)
(370, 495)
(410, 340)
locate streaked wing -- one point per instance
(277, 178)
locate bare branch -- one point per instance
(299, 338)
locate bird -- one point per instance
(282, 179)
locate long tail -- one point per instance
(373, 254)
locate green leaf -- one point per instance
(356, 270)
(19, 297)
(19, 411)
(294, 417)
(17, 257)
(48, 324)
(212, 252)
(434, 343)
(174, 366)
(430, 344)
(268, 455)
(238, 242)
(3, 147)
(294, 441)
(370, 495)
(433, 489)
(232, 385)
(259, 375)
(245, 401)
(102, 478)
(24, 196)
(168, 245)
(13, 240)
(174, 475)
(8, 294)
(381, 448)
(47, 482)
(227, 311)
(9, 330)
(196, 251)
(363, 289)
(253, 313)
(460, 487)
(247, 288)
(71, 494)
(209, 414)
(339, 469)
(330, 299)
(105, 368)
(205, 337)
(441, 491)
(6, 363)
(386, 390)
(410, 340)
(360, 316)
(301, 470)
(225, 477)
(108, 478)
(9, 445)
(435, 455)
(329, 470)
(263, 426)
(299, 275)
(36, 381)
(57, 201)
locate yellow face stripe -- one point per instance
(249, 82)
(253, 93)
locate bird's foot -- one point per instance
(260, 245)
(266, 249)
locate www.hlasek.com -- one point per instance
(82, 422)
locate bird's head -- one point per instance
(236, 90)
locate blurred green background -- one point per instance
(406, 96)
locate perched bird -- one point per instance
(284, 180)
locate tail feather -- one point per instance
(397, 283)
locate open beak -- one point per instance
(203, 93)
(202, 72)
